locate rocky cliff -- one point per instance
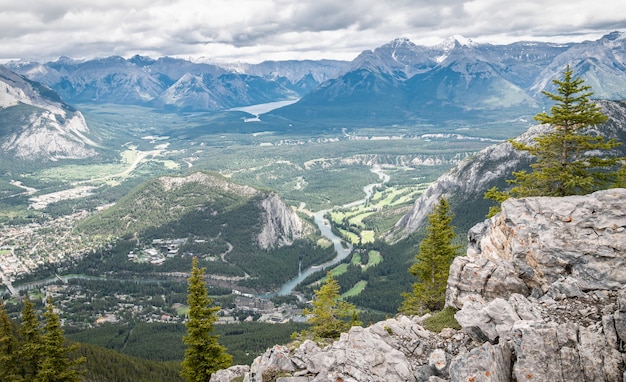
(281, 225)
(541, 297)
(37, 125)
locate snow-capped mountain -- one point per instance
(178, 84)
(399, 57)
(459, 79)
(395, 83)
(37, 125)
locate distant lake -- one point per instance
(262, 108)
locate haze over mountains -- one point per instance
(396, 82)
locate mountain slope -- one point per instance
(184, 206)
(205, 92)
(36, 124)
(601, 63)
(299, 76)
(466, 183)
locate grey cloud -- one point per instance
(240, 28)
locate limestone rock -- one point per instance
(488, 363)
(566, 352)
(227, 375)
(563, 245)
(281, 225)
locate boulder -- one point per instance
(488, 363)
(227, 375)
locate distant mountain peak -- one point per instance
(615, 35)
(456, 41)
(400, 42)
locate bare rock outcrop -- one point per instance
(544, 245)
(281, 224)
(393, 350)
(547, 278)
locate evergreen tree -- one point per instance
(330, 316)
(569, 159)
(56, 364)
(8, 348)
(204, 355)
(30, 341)
(432, 264)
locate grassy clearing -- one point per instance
(182, 310)
(356, 258)
(35, 294)
(374, 259)
(349, 236)
(338, 270)
(441, 320)
(355, 290)
(367, 236)
(4, 251)
(73, 173)
(324, 242)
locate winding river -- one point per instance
(342, 248)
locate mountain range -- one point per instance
(177, 84)
(398, 82)
(401, 82)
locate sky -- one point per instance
(225, 31)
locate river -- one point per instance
(342, 247)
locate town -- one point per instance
(85, 301)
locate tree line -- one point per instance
(32, 351)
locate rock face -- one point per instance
(541, 297)
(546, 277)
(37, 125)
(471, 176)
(281, 225)
(545, 245)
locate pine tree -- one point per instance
(30, 342)
(432, 264)
(569, 159)
(8, 348)
(204, 355)
(56, 365)
(330, 316)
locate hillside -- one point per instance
(242, 232)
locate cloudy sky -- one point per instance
(257, 30)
